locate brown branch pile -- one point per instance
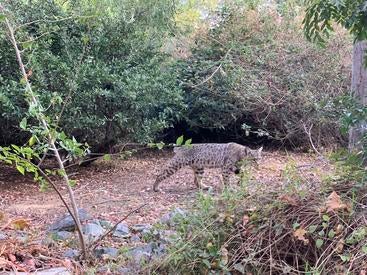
(317, 234)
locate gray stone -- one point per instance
(135, 238)
(146, 252)
(109, 251)
(71, 253)
(62, 235)
(66, 223)
(3, 236)
(122, 231)
(170, 217)
(93, 230)
(106, 224)
(125, 271)
(50, 271)
(141, 228)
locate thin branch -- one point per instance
(215, 71)
(45, 125)
(97, 242)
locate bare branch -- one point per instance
(97, 242)
(50, 138)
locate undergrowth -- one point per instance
(323, 231)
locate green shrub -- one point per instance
(257, 73)
(97, 66)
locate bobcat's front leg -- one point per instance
(198, 174)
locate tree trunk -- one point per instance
(359, 92)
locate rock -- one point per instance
(66, 223)
(144, 228)
(50, 271)
(62, 235)
(93, 229)
(3, 236)
(71, 253)
(145, 252)
(122, 231)
(106, 224)
(135, 238)
(170, 217)
(109, 251)
(125, 271)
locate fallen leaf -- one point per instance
(288, 200)
(20, 224)
(300, 235)
(334, 202)
(245, 220)
(340, 246)
(339, 229)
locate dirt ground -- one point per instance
(110, 189)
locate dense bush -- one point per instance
(98, 70)
(109, 71)
(256, 72)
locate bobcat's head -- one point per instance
(246, 154)
(255, 154)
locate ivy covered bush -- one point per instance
(100, 71)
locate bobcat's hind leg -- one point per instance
(172, 168)
(198, 173)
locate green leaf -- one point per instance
(2, 17)
(319, 243)
(23, 124)
(364, 249)
(107, 157)
(312, 229)
(160, 145)
(72, 183)
(331, 234)
(344, 258)
(179, 140)
(326, 218)
(296, 225)
(188, 142)
(32, 141)
(20, 169)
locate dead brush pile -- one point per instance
(278, 232)
(316, 234)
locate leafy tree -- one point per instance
(351, 14)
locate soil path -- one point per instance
(110, 189)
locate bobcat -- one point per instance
(208, 155)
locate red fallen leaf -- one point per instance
(20, 224)
(300, 235)
(289, 200)
(334, 202)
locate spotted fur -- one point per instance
(208, 155)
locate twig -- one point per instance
(105, 201)
(215, 71)
(96, 243)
